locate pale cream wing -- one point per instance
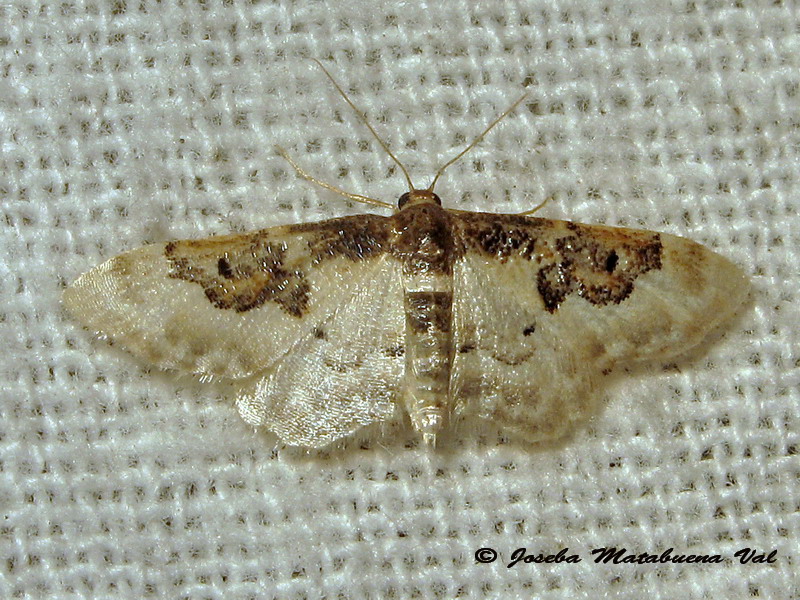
(344, 375)
(543, 309)
(229, 306)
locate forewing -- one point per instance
(345, 374)
(229, 306)
(544, 308)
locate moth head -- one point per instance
(418, 197)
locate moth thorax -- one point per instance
(418, 197)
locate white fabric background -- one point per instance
(123, 123)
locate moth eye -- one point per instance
(611, 262)
(403, 200)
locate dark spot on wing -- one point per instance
(341, 364)
(336, 366)
(224, 268)
(395, 351)
(512, 359)
(596, 349)
(529, 330)
(599, 264)
(466, 348)
(318, 333)
(611, 261)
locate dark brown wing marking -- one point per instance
(354, 238)
(599, 264)
(242, 272)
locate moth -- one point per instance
(325, 328)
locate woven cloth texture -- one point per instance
(129, 122)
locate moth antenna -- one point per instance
(328, 186)
(477, 140)
(361, 115)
